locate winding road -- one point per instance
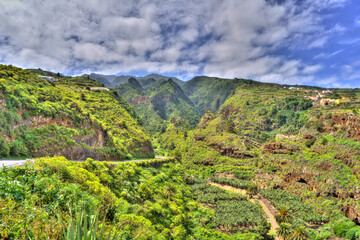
(19, 162)
(271, 217)
(13, 162)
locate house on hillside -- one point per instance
(48, 78)
(327, 91)
(314, 98)
(343, 100)
(99, 88)
(326, 101)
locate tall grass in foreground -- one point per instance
(86, 226)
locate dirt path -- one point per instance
(271, 217)
(229, 188)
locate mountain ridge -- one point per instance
(115, 80)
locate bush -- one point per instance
(318, 125)
(341, 228)
(4, 148)
(309, 142)
(324, 141)
(353, 233)
(18, 149)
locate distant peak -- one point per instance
(134, 83)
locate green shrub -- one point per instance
(341, 228)
(310, 142)
(4, 148)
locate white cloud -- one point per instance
(225, 38)
(312, 69)
(357, 21)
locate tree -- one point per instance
(163, 129)
(172, 146)
(168, 190)
(299, 233)
(318, 125)
(284, 230)
(263, 228)
(4, 148)
(83, 97)
(283, 216)
(251, 190)
(230, 126)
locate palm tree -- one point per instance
(252, 190)
(299, 233)
(284, 230)
(168, 190)
(283, 216)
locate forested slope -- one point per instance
(302, 157)
(42, 118)
(157, 102)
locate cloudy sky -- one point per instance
(313, 42)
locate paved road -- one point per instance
(13, 162)
(16, 162)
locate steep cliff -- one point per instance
(39, 118)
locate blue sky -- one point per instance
(315, 42)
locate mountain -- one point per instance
(158, 77)
(145, 83)
(100, 78)
(158, 101)
(108, 80)
(74, 117)
(120, 80)
(113, 80)
(209, 93)
(301, 155)
(265, 157)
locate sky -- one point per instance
(313, 42)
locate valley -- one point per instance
(242, 159)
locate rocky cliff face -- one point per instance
(279, 148)
(343, 122)
(350, 122)
(224, 149)
(96, 138)
(232, 152)
(65, 118)
(139, 100)
(310, 178)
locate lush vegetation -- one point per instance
(234, 213)
(66, 118)
(271, 143)
(274, 139)
(158, 102)
(294, 206)
(127, 200)
(243, 184)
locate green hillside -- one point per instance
(268, 162)
(209, 93)
(157, 102)
(302, 157)
(41, 118)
